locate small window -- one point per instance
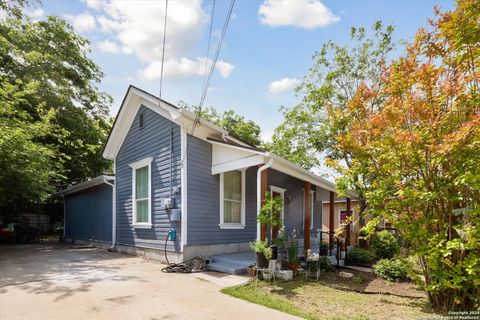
(140, 120)
(232, 200)
(141, 193)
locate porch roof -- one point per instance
(228, 156)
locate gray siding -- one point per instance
(204, 202)
(153, 140)
(88, 214)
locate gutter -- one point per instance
(259, 192)
(114, 210)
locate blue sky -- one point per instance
(266, 41)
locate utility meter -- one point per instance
(167, 202)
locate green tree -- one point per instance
(310, 129)
(238, 127)
(49, 81)
(421, 152)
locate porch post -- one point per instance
(347, 240)
(306, 231)
(331, 219)
(263, 231)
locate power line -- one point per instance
(209, 41)
(212, 68)
(224, 30)
(163, 51)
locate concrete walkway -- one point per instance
(54, 281)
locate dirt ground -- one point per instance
(55, 281)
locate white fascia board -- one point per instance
(238, 164)
(282, 165)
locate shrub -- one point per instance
(359, 255)
(391, 269)
(385, 245)
(293, 252)
(325, 264)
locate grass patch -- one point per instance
(318, 300)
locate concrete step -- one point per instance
(241, 257)
(228, 267)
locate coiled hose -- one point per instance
(195, 264)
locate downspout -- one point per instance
(259, 192)
(114, 209)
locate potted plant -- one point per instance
(263, 252)
(270, 215)
(323, 248)
(293, 261)
(278, 244)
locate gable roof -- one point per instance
(135, 97)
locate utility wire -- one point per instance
(206, 84)
(224, 30)
(163, 51)
(208, 46)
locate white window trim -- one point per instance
(281, 191)
(137, 165)
(312, 195)
(240, 225)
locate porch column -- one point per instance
(331, 219)
(347, 239)
(263, 231)
(306, 231)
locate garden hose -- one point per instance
(195, 264)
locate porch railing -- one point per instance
(332, 240)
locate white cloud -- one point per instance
(83, 22)
(109, 46)
(307, 14)
(183, 68)
(108, 25)
(36, 14)
(94, 4)
(283, 85)
(137, 28)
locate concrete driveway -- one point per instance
(55, 281)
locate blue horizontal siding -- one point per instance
(204, 200)
(88, 214)
(153, 140)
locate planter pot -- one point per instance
(293, 267)
(252, 272)
(274, 252)
(260, 260)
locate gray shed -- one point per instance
(88, 210)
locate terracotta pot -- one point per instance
(293, 267)
(252, 271)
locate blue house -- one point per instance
(173, 170)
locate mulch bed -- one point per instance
(368, 283)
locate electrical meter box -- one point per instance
(176, 215)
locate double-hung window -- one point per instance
(141, 193)
(232, 200)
